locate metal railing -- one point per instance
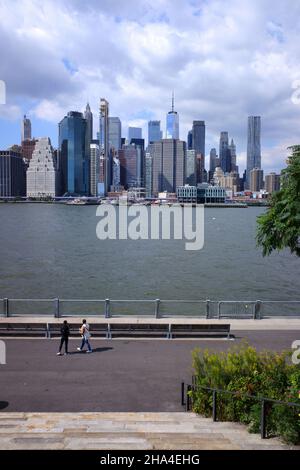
(157, 308)
(186, 401)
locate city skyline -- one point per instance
(189, 55)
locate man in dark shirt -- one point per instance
(65, 333)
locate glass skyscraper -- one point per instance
(172, 123)
(253, 145)
(114, 132)
(154, 132)
(73, 154)
(103, 143)
(198, 144)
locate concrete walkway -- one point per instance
(126, 431)
(287, 323)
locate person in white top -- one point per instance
(85, 334)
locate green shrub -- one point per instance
(244, 370)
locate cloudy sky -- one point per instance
(224, 59)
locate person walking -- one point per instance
(85, 334)
(65, 333)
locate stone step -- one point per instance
(125, 431)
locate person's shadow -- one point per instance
(3, 404)
(94, 350)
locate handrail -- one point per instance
(209, 309)
(236, 394)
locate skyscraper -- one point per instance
(190, 171)
(104, 144)
(213, 160)
(149, 172)
(25, 129)
(129, 165)
(94, 167)
(154, 132)
(198, 144)
(114, 132)
(88, 115)
(232, 149)
(256, 179)
(134, 133)
(253, 145)
(73, 154)
(224, 153)
(272, 183)
(42, 179)
(190, 140)
(168, 169)
(172, 123)
(12, 174)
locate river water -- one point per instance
(51, 250)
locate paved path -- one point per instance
(126, 431)
(120, 376)
(272, 324)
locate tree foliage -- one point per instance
(279, 227)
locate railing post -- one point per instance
(207, 308)
(219, 309)
(263, 420)
(56, 308)
(188, 398)
(107, 308)
(257, 310)
(182, 393)
(6, 307)
(214, 407)
(157, 302)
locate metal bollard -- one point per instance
(182, 393)
(263, 423)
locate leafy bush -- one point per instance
(244, 370)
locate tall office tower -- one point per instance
(25, 129)
(12, 174)
(272, 182)
(172, 123)
(190, 171)
(88, 115)
(129, 165)
(134, 133)
(154, 132)
(169, 156)
(114, 133)
(253, 145)
(198, 135)
(94, 167)
(148, 172)
(41, 177)
(140, 147)
(232, 149)
(256, 179)
(104, 145)
(116, 174)
(213, 159)
(190, 140)
(73, 155)
(224, 153)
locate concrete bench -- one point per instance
(178, 330)
(157, 330)
(23, 329)
(98, 329)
